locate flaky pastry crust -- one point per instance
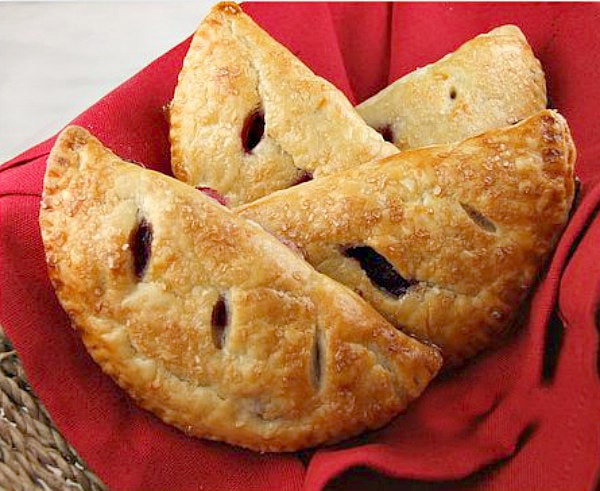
(249, 118)
(491, 81)
(208, 321)
(466, 228)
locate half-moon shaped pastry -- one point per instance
(491, 81)
(207, 320)
(445, 241)
(249, 118)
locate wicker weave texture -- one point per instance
(33, 453)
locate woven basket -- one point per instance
(33, 453)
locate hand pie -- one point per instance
(249, 118)
(444, 241)
(491, 81)
(207, 320)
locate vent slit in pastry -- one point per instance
(453, 93)
(479, 218)
(379, 270)
(141, 247)
(253, 130)
(219, 322)
(318, 357)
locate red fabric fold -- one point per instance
(522, 417)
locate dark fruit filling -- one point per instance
(219, 321)
(318, 359)
(379, 270)
(387, 133)
(304, 177)
(253, 130)
(141, 247)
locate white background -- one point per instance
(58, 58)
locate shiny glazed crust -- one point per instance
(471, 223)
(302, 360)
(232, 69)
(491, 81)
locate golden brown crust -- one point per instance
(302, 360)
(491, 81)
(232, 69)
(471, 223)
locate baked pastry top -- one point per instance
(207, 320)
(249, 118)
(444, 241)
(491, 81)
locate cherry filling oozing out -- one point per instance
(253, 130)
(304, 177)
(387, 133)
(214, 194)
(379, 270)
(141, 246)
(290, 245)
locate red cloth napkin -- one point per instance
(524, 417)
